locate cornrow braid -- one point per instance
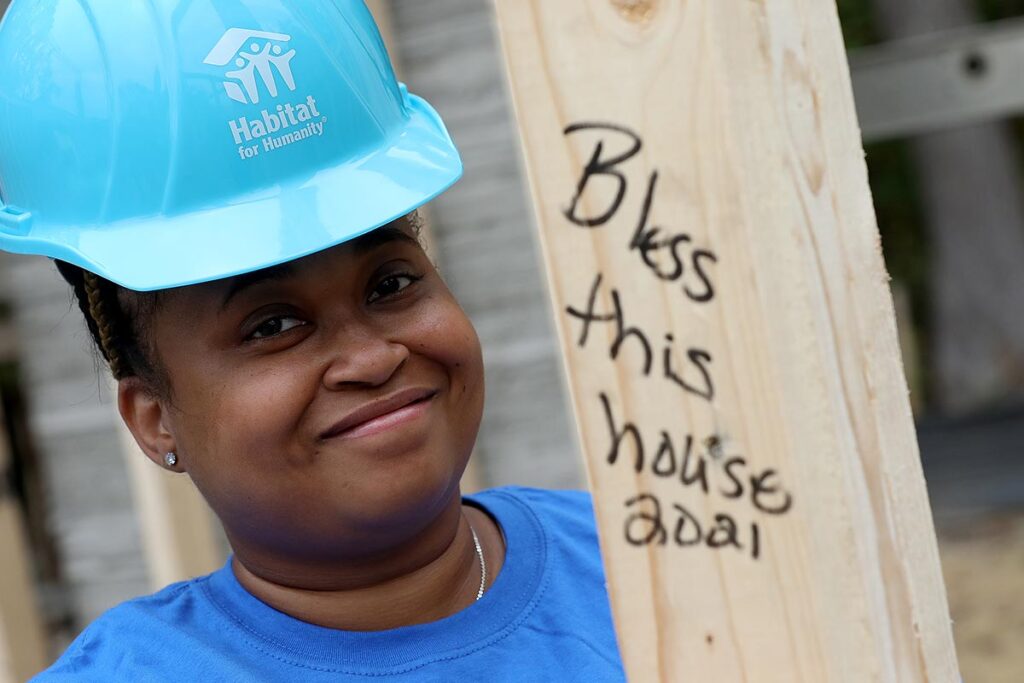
(118, 320)
(112, 333)
(107, 330)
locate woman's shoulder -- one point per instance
(137, 627)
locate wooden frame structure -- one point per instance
(940, 81)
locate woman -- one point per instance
(249, 266)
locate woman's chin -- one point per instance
(385, 495)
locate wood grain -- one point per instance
(742, 319)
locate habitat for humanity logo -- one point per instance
(261, 58)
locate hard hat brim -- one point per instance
(281, 224)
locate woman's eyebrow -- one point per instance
(381, 236)
(360, 245)
(242, 282)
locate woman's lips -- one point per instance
(389, 421)
(380, 416)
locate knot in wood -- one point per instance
(639, 11)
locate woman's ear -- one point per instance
(145, 416)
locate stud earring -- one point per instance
(171, 459)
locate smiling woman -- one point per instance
(349, 377)
(279, 336)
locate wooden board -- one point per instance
(22, 637)
(729, 339)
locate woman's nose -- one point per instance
(364, 360)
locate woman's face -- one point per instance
(325, 408)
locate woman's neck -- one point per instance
(437, 576)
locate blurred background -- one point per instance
(86, 523)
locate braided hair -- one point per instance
(117, 319)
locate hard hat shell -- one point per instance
(170, 142)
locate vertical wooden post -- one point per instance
(729, 338)
(22, 640)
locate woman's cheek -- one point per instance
(459, 350)
(250, 421)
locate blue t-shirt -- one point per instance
(545, 618)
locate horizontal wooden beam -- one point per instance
(939, 81)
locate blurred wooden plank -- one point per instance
(730, 339)
(939, 81)
(22, 639)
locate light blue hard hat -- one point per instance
(170, 142)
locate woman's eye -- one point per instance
(274, 326)
(391, 285)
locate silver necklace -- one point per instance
(483, 563)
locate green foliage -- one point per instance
(892, 178)
(9, 377)
(991, 10)
(858, 23)
(901, 220)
